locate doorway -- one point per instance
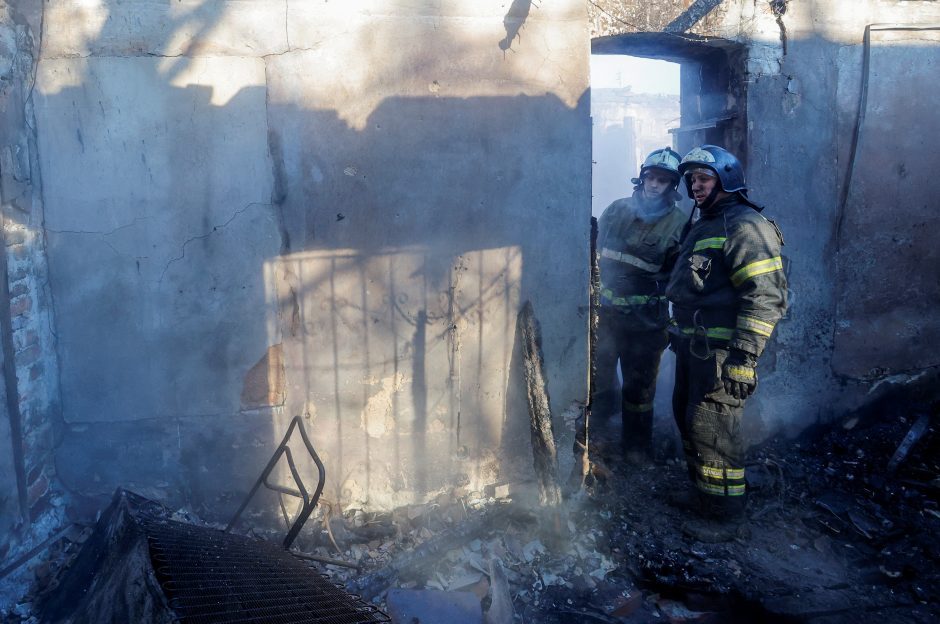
(655, 90)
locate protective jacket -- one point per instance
(728, 291)
(728, 284)
(636, 254)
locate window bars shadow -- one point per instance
(309, 502)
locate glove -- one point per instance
(739, 374)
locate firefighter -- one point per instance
(728, 290)
(638, 238)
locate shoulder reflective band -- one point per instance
(632, 300)
(718, 333)
(710, 243)
(631, 260)
(720, 490)
(637, 408)
(754, 269)
(721, 473)
(741, 372)
(757, 326)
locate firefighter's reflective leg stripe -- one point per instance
(720, 480)
(752, 270)
(631, 260)
(718, 242)
(720, 490)
(637, 408)
(755, 326)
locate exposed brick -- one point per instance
(38, 430)
(36, 371)
(18, 289)
(28, 356)
(36, 489)
(19, 252)
(34, 472)
(15, 236)
(39, 463)
(43, 505)
(19, 273)
(21, 305)
(24, 338)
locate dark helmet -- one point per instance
(665, 159)
(719, 160)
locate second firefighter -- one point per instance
(638, 239)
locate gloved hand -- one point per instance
(739, 374)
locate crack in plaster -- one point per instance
(107, 233)
(215, 229)
(286, 22)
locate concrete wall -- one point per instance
(259, 209)
(862, 278)
(253, 210)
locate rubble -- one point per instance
(832, 535)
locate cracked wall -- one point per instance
(260, 209)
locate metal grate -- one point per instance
(210, 576)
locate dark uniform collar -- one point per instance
(716, 208)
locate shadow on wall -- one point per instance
(222, 259)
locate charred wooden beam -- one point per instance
(540, 414)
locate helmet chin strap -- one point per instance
(710, 199)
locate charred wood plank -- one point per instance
(540, 415)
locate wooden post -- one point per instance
(540, 415)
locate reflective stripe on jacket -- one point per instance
(730, 271)
(635, 256)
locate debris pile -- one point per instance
(842, 526)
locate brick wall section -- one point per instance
(36, 370)
(30, 302)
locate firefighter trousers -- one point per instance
(639, 353)
(709, 421)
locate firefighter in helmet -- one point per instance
(638, 238)
(728, 291)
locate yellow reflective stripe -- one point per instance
(754, 269)
(637, 407)
(754, 325)
(721, 473)
(627, 301)
(718, 333)
(717, 242)
(719, 490)
(631, 260)
(741, 371)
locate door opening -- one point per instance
(634, 104)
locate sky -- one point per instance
(643, 75)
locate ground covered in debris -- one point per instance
(842, 526)
(839, 528)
